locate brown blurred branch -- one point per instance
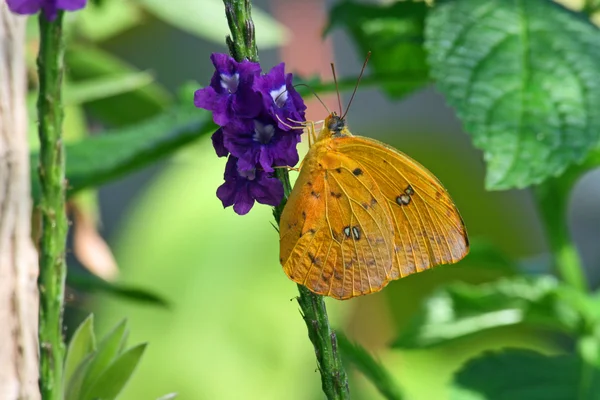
(18, 259)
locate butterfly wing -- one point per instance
(336, 234)
(428, 227)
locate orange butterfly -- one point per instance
(362, 214)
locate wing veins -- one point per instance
(350, 200)
(393, 186)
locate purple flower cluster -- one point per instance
(256, 114)
(50, 7)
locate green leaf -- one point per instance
(524, 374)
(101, 22)
(522, 76)
(115, 377)
(206, 19)
(83, 343)
(87, 62)
(102, 158)
(461, 310)
(107, 352)
(105, 87)
(371, 368)
(75, 384)
(90, 283)
(394, 34)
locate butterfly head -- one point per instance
(334, 126)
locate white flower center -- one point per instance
(263, 133)
(230, 82)
(279, 96)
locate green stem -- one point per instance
(242, 45)
(552, 197)
(590, 7)
(52, 208)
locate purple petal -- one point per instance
(231, 169)
(244, 201)
(50, 10)
(265, 159)
(70, 5)
(25, 6)
(267, 190)
(245, 164)
(217, 140)
(247, 103)
(208, 99)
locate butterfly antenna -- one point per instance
(337, 89)
(315, 93)
(357, 82)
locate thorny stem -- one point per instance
(52, 208)
(242, 45)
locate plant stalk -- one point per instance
(52, 208)
(552, 197)
(242, 45)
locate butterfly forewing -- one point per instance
(336, 232)
(428, 228)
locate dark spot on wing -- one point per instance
(409, 190)
(357, 171)
(315, 194)
(346, 231)
(373, 201)
(313, 259)
(403, 200)
(338, 170)
(336, 195)
(365, 206)
(356, 233)
(309, 184)
(337, 275)
(303, 214)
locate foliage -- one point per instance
(521, 75)
(99, 370)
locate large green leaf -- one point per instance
(370, 367)
(105, 87)
(206, 19)
(394, 35)
(523, 77)
(99, 159)
(115, 377)
(87, 62)
(90, 283)
(460, 310)
(526, 375)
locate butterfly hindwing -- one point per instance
(336, 231)
(428, 228)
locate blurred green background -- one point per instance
(232, 329)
